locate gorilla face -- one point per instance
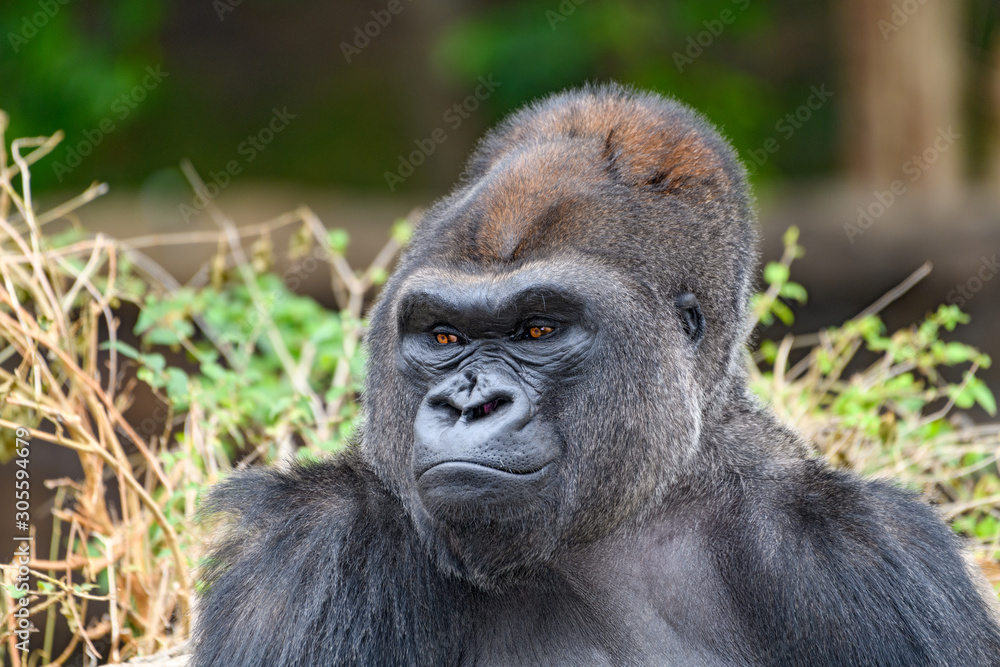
(514, 452)
(493, 354)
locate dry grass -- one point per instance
(61, 381)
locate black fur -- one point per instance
(610, 494)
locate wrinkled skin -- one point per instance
(560, 462)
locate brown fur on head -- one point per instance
(627, 134)
(634, 179)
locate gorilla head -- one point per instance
(547, 354)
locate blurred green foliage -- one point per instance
(65, 65)
(68, 61)
(539, 47)
(248, 395)
(881, 403)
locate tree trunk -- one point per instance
(903, 89)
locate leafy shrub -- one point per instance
(879, 403)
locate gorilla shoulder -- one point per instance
(292, 542)
(808, 551)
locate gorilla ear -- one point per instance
(691, 317)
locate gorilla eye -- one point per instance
(538, 332)
(446, 338)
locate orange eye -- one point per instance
(446, 338)
(538, 332)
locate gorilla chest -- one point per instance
(559, 631)
(625, 615)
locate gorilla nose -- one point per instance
(472, 396)
(484, 418)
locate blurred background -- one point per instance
(872, 125)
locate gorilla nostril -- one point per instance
(448, 408)
(485, 409)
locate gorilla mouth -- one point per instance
(476, 439)
(462, 465)
(456, 484)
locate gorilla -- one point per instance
(560, 462)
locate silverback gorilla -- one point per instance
(560, 462)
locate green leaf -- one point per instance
(793, 292)
(769, 350)
(956, 353)
(14, 592)
(213, 371)
(162, 336)
(338, 240)
(949, 316)
(154, 362)
(402, 230)
(791, 236)
(983, 396)
(783, 313)
(775, 272)
(122, 348)
(177, 384)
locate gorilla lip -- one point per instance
(451, 487)
(465, 464)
